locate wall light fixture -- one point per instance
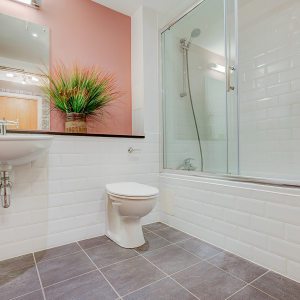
(30, 3)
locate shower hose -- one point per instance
(191, 99)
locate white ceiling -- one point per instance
(129, 7)
(208, 17)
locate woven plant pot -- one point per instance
(75, 123)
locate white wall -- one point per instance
(144, 60)
(137, 72)
(259, 223)
(59, 198)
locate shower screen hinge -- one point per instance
(183, 94)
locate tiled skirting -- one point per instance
(171, 266)
(259, 223)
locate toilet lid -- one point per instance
(131, 189)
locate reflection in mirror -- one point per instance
(24, 49)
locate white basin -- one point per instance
(18, 149)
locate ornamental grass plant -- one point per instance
(80, 89)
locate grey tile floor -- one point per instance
(170, 266)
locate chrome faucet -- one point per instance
(187, 165)
(4, 123)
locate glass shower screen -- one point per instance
(199, 90)
(231, 90)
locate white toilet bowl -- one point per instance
(127, 203)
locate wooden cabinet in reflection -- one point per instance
(25, 110)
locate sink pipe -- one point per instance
(5, 189)
(5, 184)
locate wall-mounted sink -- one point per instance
(18, 149)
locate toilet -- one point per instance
(127, 203)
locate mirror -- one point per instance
(24, 49)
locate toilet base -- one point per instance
(129, 234)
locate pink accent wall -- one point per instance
(92, 34)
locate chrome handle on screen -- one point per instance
(229, 68)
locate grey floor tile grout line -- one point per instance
(68, 279)
(257, 287)
(108, 242)
(150, 250)
(185, 249)
(225, 250)
(222, 251)
(170, 277)
(236, 292)
(119, 296)
(203, 259)
(181, 269)
(16, 298)
(199, 262)
(170, 241)
(227, 272)
(38, 273)
(259, 277)
(192, 237)
(184, 288)
(56, 257)
(249, 284)
(145, 286)
(263, 291)
(119, 261)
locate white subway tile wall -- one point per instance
(60, 197)
(269, 47)
(255, 227)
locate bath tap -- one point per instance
(187, 165)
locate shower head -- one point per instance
(195, 33)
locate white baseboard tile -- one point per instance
(239, 248)
(270, 260)
(293, 270)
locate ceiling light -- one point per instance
(31, 3)
(35, 35)
(10, 75)
(217, 67)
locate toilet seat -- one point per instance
(131, 190)
(130, 198)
